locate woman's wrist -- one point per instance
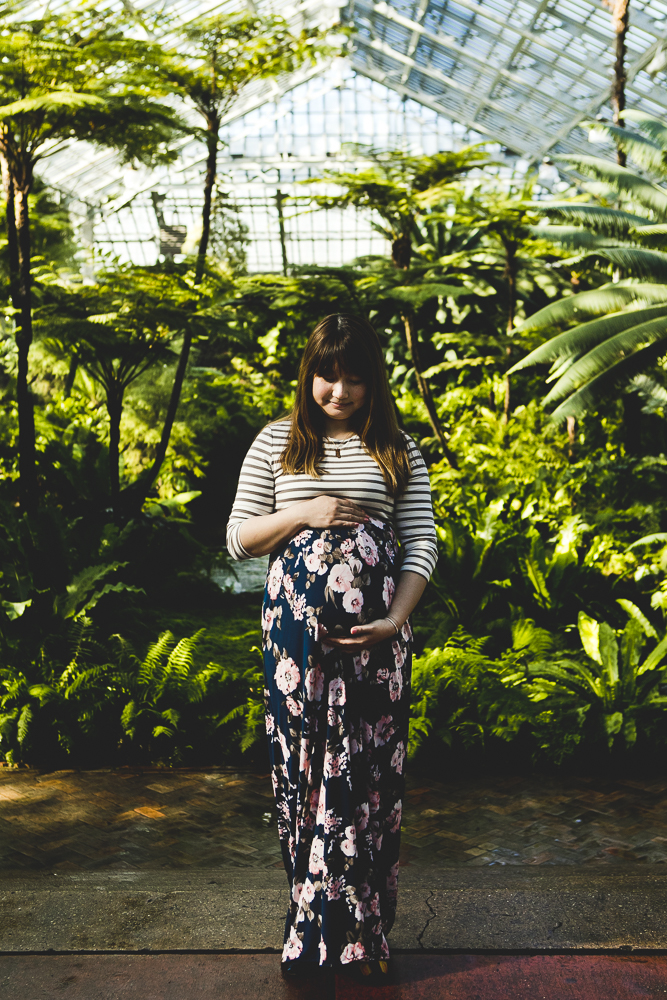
(397, 626)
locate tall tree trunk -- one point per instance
(620, 19)
(12, 236)
(571, 437)
(27, 456)
(136, 494)
(425, 391)
(401, 251)
(280, 197)
(212, 140)
(115, 411)
(510, 277)
(71, 375)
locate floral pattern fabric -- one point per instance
(337, 727)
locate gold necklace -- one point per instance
(336, 447)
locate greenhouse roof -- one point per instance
(521, 72)
(422, 75)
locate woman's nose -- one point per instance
(339, 390)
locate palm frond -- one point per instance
(607, 353)
(621, 372)
(643, 150)
(641, 263)
(654, 128)
(657, 229)
(585, 305)
(569, 236)
(599, 218)
(653, 392)
(620, 179)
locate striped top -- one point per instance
(264, 488)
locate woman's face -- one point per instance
(339, 395)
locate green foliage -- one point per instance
(536, 530)
(400, 188)
(590, 360)
(561, 705)
(77, 74)
(223, 53)
(620, 687)
(108, 705)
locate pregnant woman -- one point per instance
(340, 498)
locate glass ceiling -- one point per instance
(521, 72)
(424, 76)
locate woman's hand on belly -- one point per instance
(333, 512)
(267, 532)
(361, 636)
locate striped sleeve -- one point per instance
(255, 494)
(414, 518)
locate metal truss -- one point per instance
(522, 72)
(269, 156)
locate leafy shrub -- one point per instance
(618, 686)
(106, 705)
(552, 705)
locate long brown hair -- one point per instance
(345, 344)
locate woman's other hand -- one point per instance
(333, 512)
(361, 636)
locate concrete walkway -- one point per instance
(168, 885)
(471, 910)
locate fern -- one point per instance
(25, 718)
(152, 666)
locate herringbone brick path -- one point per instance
(91, 820)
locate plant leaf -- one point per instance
(638, 616)
(589, 632)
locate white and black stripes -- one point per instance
(264, 488)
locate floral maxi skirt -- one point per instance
(337, 726)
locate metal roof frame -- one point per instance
(523, 72)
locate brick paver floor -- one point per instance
(151, 819)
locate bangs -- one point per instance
(342, 344)
(340, 356)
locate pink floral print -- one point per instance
(340, 578)
(368, 550)
(287, 675)
(337, 727)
